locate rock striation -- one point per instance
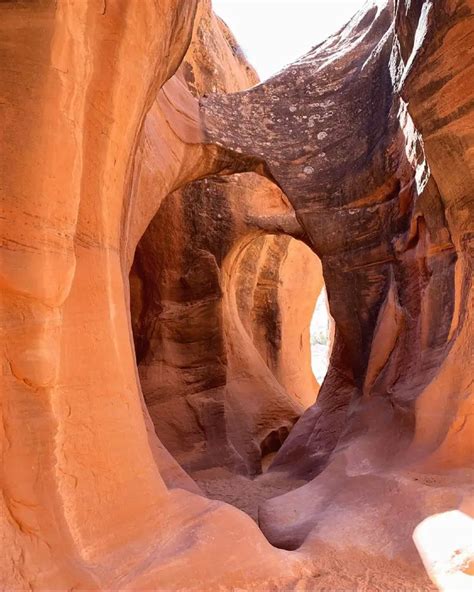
(151, 241)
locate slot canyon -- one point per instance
(170, 229)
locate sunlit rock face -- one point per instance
(366, 146)
(86, 486)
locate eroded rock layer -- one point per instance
(221, 319)
(211, 301)
(364, 151)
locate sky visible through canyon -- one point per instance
(273, 33)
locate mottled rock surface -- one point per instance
(358, 134)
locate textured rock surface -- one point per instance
(358, 134)
(84, 502)
(370, 138)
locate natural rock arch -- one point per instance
(99, 128)
(221, 313)
(367, 201)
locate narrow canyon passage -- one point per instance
(228, 323)
(168, 226)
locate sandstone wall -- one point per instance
(370, 138)
(83, 500)
(358, 134)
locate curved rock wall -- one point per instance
(370, 138)
(83, 499)
(286, 282)
(75, 89)
(357, 134)
(219, 320)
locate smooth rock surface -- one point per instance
(358, 134)
(364, 149)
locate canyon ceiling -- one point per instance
(167, 224)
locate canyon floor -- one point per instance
(243, 492)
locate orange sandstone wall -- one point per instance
(370, 138)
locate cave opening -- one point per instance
(229, 325)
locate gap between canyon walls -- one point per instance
(221, 315)
(367, 141)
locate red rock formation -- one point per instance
(83, 500)
(212, 307)
(210, 304)
(371, 115)
(370, 137)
